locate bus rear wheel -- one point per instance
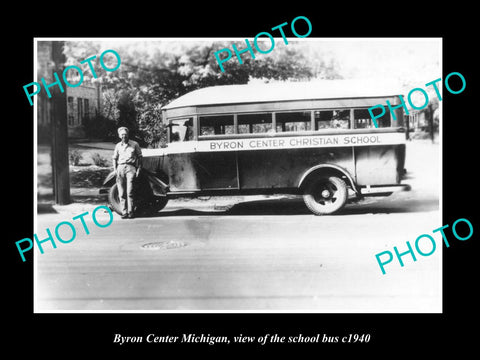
(325, 195)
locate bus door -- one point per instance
(181, 168)
(217, 169)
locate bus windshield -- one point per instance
(181, 130)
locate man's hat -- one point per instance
(122, 130)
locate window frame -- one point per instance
(184, 119)
(311, 122)
(86, 108)
(274, 122)
(79, 111)
(199, 119)
(371, 121)
(350, 122)
(250, 126)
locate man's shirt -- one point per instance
(127, 153)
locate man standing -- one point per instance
(127, 162)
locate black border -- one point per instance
(407, 334)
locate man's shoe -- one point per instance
(131, 216)
(124, 216)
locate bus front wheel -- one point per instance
(144, 203)
(325, 195)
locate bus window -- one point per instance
(216, 125)
(181, 130)
(254, 123)
(364, 120)
(332, 119)
(293, 121)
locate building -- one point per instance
(83, 101)
(417, 120)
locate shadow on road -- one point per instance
(297, 207)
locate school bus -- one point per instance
(314, 139)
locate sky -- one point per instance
(411, 62)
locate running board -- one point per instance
(375, 190)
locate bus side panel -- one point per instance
(216, 170)
(203, 171)
(270, 169)
(157, 165)
(377, 165)
(182, 173)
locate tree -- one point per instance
(154, 73)
(127, 114)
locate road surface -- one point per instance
(266, 254)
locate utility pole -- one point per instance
(430, 122)
(60, 167)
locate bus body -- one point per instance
(314, 139)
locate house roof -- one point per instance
(287, 91)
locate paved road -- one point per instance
(266, 255)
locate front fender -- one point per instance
(157, 185)
(110, 179)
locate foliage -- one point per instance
(99, 160)
(74, 156)
(99, 127)
(127, 113)
(154, 73)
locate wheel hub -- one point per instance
(325, 194)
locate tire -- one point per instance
(325, 195)
(157, 204)
(143, 205)
(114, 200)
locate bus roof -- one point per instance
(285, 91)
